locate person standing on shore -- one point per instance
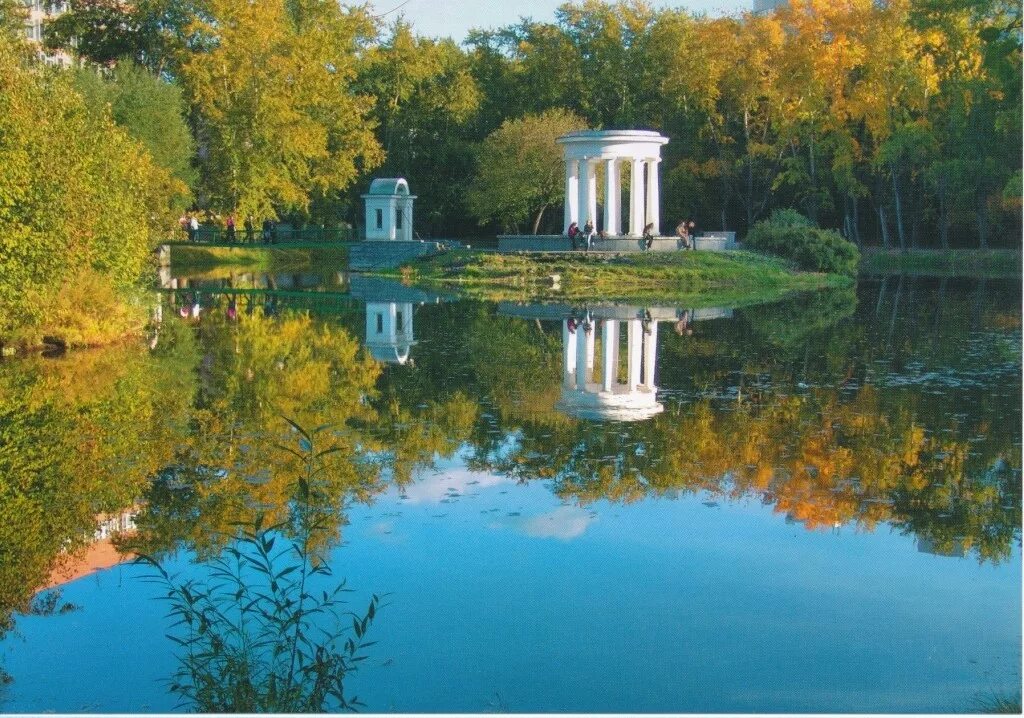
(683, 325)
(230, 227)
(250, 231)
(193, 228)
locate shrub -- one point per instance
(85, 311)
(790, 235)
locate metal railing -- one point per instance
(276, 235)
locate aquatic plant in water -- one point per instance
(258, 633)
(994, 702)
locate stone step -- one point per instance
(388, 254)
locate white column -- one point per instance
(390, 321)
(650, 352)
(568, 354)
(591, 337)
(609, 345)
(612, 197)
(407, 311)
(636, 198)
(592, 193)
(633, 343)
(584, 189)
(615, 352)
(653, 195)
(571, 193)
(581, 359)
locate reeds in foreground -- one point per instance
(253, 635)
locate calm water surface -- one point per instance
(817, 508)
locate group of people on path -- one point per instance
(190, 223)
(586, 235)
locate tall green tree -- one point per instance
(520, 170)
(148, 108)
(426, 105)
(82, 204)
(153, 33)
(270, 88)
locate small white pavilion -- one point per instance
(389, 209)
(585, 151)
(633, 400)
(389, 335)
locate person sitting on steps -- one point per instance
(573, 232)
(648, 235)
(588, 233)
(683, 232)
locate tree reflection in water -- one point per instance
(786, 404)
(898, 409)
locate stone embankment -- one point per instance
(708, 242)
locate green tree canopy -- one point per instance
(150, 32)
(81, 202)
(148, 108)
(520, 170)
(426, 103)
(269, 84)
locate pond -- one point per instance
(809, 505)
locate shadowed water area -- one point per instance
(816, 505)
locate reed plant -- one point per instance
(258, 632)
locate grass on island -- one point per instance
(700, 277)
(257, 258)
(989, 263)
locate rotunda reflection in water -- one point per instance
(606, 396)
(389, 335)
(620, 384)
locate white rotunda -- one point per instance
(585, 151)
(389, 209)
